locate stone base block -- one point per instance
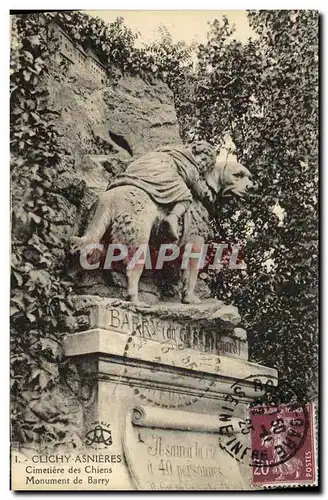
(173, 419)
(210, 327)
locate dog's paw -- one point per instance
(132, 298)
(191, 298)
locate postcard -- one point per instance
(164, 296)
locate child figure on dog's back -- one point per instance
(172, 177)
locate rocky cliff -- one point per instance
(141, 112)
(104, 126)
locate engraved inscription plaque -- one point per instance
(214, 331)
(188, 457)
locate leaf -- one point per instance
(17, 111)
(36, 218)
(63, 306)
(29, 57)
(31, 317)
(44, 379)
(19, 302)
(49, 343)
(41, 276)
(35, 374)
(27, 75)
(34, 40)
(18, 278)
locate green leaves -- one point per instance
(263, 95)
(38, 297)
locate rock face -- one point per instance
(143, 113)
(101, 124)
(140, 112)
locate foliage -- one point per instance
(172, 61)
(114, 44)
(263, 94)
(39, 297)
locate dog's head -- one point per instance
(230, 179)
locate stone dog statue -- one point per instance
(172, 189)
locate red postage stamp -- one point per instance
(283, 445)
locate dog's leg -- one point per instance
(98, 225)
(190, 275)
(133, 277)
(135, 262)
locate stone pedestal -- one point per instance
(170, 386)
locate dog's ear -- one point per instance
(212, 177)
